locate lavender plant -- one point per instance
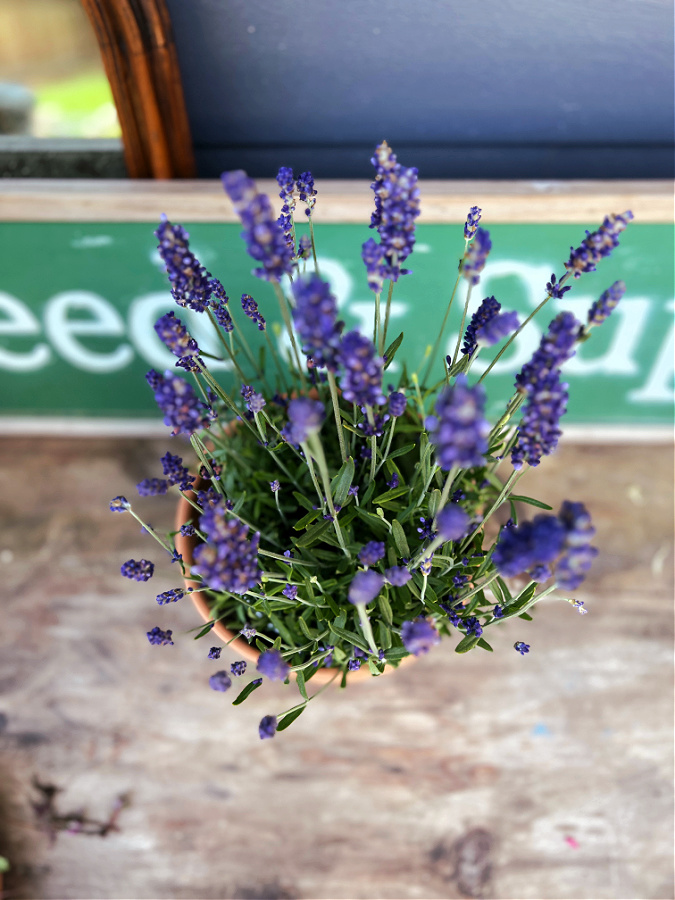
(340, 520)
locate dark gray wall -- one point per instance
(489, 88)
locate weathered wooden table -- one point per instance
(490, 775)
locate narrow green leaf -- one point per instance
(305, 629)
(303, 501)
(400, 539)
(238, 505)
(396, 654)
(525, 616)
(314, 533)
(342, 482)
(390, 352)
(467, 643)
(392, 494)
(434, 502)
(289, 718)
(205, 630)
(261, 645)
(505, 591)
(248, 690)
(519, 498)
(484, 644)
(385, 609)
(401, 450)
(351, 637)
(385, 635)
(300, 678)
(374, 668)
(306, 520)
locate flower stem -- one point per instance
(461, 327)
(437, 343)
(336, 411)
(366, 628)
(386, 317)
(311, 237)
(317, 450)
(286, 314)
(505, 491)
(377, 337)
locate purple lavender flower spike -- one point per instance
(304, 247)
(290, 591)
(182, 409)
(608, 301)
(597, 245)
(176, 472)
(497, 328)
(119, 504)
(228, 561)
(476, 256)
(152, 487)
(397, 576)
(459, 430)
(191, 285)
(472, 221)
(373, 259)
(521, 647)
(397, 403)
(452, 523)
(159, 637)
(267, 727)
(488, 309)
(305, 417)
(371, 553)
(250, 308)
(138, 569)
(361, 381)
(546, 402)
(238, 668)
(174, 335)
(528, 544)
(171, 596)
(397, 205)
(579, 555)
(285, 221)
(214, 652)
(306, 192)
(315, 320)
(265, 241)
(275, 486)
(221, 681)
(419, 636)
(554, 289)
(272, 665)
(365, 587)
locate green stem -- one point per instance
(311, 237)
(226, 346)
(386, 316)
(317, 450)
(437, 343)
(336, 410)
(277, 361)
(286, 314)
(518, 330)
(461, 327)
(366, 628)
(505, 491)
(377, 337)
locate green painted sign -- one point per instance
(78, 303)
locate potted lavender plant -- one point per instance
(333, 525)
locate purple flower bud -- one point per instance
(139, 570)
(290, 591)
(305, 417)
(419, 636)
(221, 681)
(476, 255)
(597, 245)
(250, 308)
(371, 553)
(472, 221)
(119, 504)
(365, 587)
(238, 668)
(521, 647)
(606, 304)
(159, 637)
(459, 430)
(452, 523)
(214, 653)
(267, 727)
(273, 666)
(397, 403)
(397, 576)
(315, 320)
(361, 381)
(152, 487)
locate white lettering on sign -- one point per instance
(20, 322)
(103, 320)
(659, 386)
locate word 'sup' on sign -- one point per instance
(79, 301)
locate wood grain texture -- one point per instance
(38, 200)
(457, 777)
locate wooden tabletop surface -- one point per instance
(488, 775)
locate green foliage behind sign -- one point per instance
(78, 303)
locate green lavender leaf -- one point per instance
(467, 643)
(521, 499)
(484, 644)
(300, 678)
(400, 539)
(390, 352)
(342, 482)
(290, 717)
(248, 690)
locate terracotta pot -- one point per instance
(185, 546)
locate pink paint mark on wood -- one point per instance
(570, 840)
